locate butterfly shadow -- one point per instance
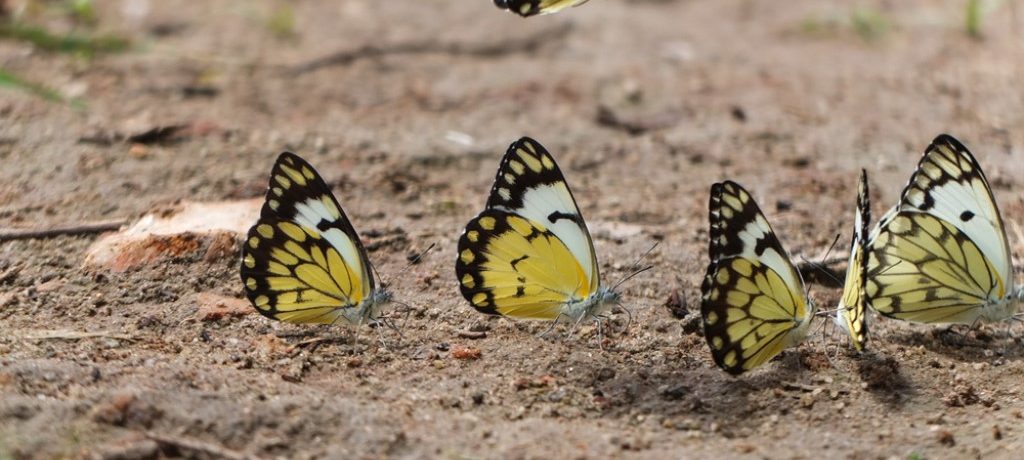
(985, 343)
(695, 395)
(882, 378)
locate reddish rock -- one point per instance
(213, 307)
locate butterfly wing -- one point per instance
(922, 268)
(527, 8)
(511, 266)
(851, 314)
(942, 256)
(949, 184)
(529, 252)
(752, 303)
(302, 261)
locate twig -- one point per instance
(497, 48)
(76, 335)
(197, 446)
(474, 335)
(9, 274)
(313, 344)
(637, 125)
(798, 386)
(71, 230)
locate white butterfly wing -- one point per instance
(529, 183)
(949, 184)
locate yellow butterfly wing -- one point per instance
(302, 262)
(527, 8)
(923, 269)
(511, 266)
(752, 302)
(941, 255)
(852, 313)
(529, 254)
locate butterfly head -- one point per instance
(1007, 307)
(596, 305)
(370, 309)
(799, 333)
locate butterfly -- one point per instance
(302, 262)
(941, 254)
(851, 314)
(529, 254)
(527, 8)
(753, 303)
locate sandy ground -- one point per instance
(406, 107)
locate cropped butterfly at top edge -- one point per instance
(529, 254)
(753, 303)
(527, 8)
(851, 315)
(941, 255)
(302, 262)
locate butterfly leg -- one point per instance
(358, 335)
(1018, 318)
(380, 337)
(550, 328)
(629, 317)
(390, 323)
(575, 326)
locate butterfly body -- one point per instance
(597, 305)
(752, 299)
(941, 255)
(369, 310)
(302, 262)
(851, 316)
(528, 254)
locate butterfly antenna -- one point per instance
(411, 261)
(831, 247)
(830, 312)
(416, 259)
(898, 262)
(636, 264)
(630, 277)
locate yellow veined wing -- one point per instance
(941, 255)
(527, 8)
(302, 262)
(851, 315)
(753, 303)
(529, 254)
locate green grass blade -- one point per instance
(70, 43)
(11, 81)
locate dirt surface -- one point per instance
(405, 107)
